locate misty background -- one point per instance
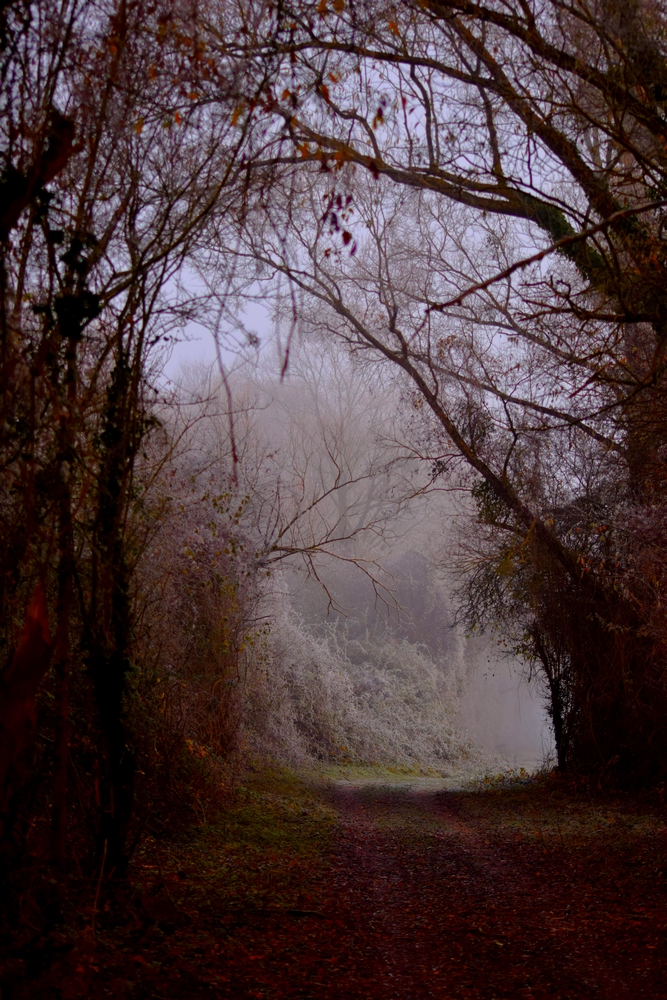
(378, 601)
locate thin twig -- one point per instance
(558, 245)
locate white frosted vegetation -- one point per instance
(372, 700)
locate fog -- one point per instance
(501, 710)
(492, 699)
(363, 658)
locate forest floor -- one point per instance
(343, 886)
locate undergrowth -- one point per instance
(184, 896)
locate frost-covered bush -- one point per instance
(375, 699)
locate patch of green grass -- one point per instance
(274, 810)
(265, 848)
(553, 813)
(373, 774)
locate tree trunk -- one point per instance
(18, 691)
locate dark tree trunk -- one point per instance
(110, 624)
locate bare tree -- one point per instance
(319, 473)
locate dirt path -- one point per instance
(351, 892)
(437, 909)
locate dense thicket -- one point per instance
(110, 164)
